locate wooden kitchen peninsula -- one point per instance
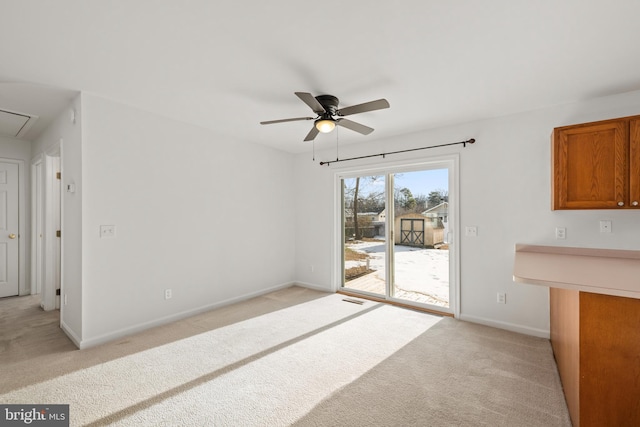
(595, 327)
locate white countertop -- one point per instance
(601, 271)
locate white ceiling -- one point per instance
(227, 65)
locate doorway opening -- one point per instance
(396, 231)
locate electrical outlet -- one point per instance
(471, 231)
(561, 232)
(167, 294)
(107, 231)
(502, 298)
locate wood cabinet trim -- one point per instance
(634, 162)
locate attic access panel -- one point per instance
(14, 124)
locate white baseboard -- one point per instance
(101, 339)
(314, 287)
(541, 333)
(70, 333)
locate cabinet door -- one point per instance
(590, 166)
(634, 163)
(609, 368)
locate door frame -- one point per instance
(23, 289)
(46, 203)
(37, 224)
(453, 163)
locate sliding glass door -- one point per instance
(396, 230)
(364, 225)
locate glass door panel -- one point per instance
(363, 224)
(421, 226)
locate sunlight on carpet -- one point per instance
(268, 370)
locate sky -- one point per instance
(423, 182)
(419, 182)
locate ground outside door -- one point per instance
(9, 226)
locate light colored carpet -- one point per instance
(321, 362)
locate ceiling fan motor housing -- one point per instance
(329, 102)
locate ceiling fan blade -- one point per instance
(378, 104)
(365, 130)
(312, 134)
(268, 122)
(311, 101)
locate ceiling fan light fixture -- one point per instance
(325, 125)
(328, 116)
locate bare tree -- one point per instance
(356, 229)
(422, 202)
(362, 194)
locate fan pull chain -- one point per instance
(337, 145)
(313, 143)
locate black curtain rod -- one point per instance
(464, 143)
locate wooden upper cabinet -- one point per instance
(597, 165)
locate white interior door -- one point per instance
(37, 227)
(56, 189)
(51, 244)
(9, 230)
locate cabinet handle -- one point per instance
(620, 203)
(635, 203)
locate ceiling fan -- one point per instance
(329, 115)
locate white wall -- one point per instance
(11, 148)
(68, 133)
(504, 190)
(208, 217)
